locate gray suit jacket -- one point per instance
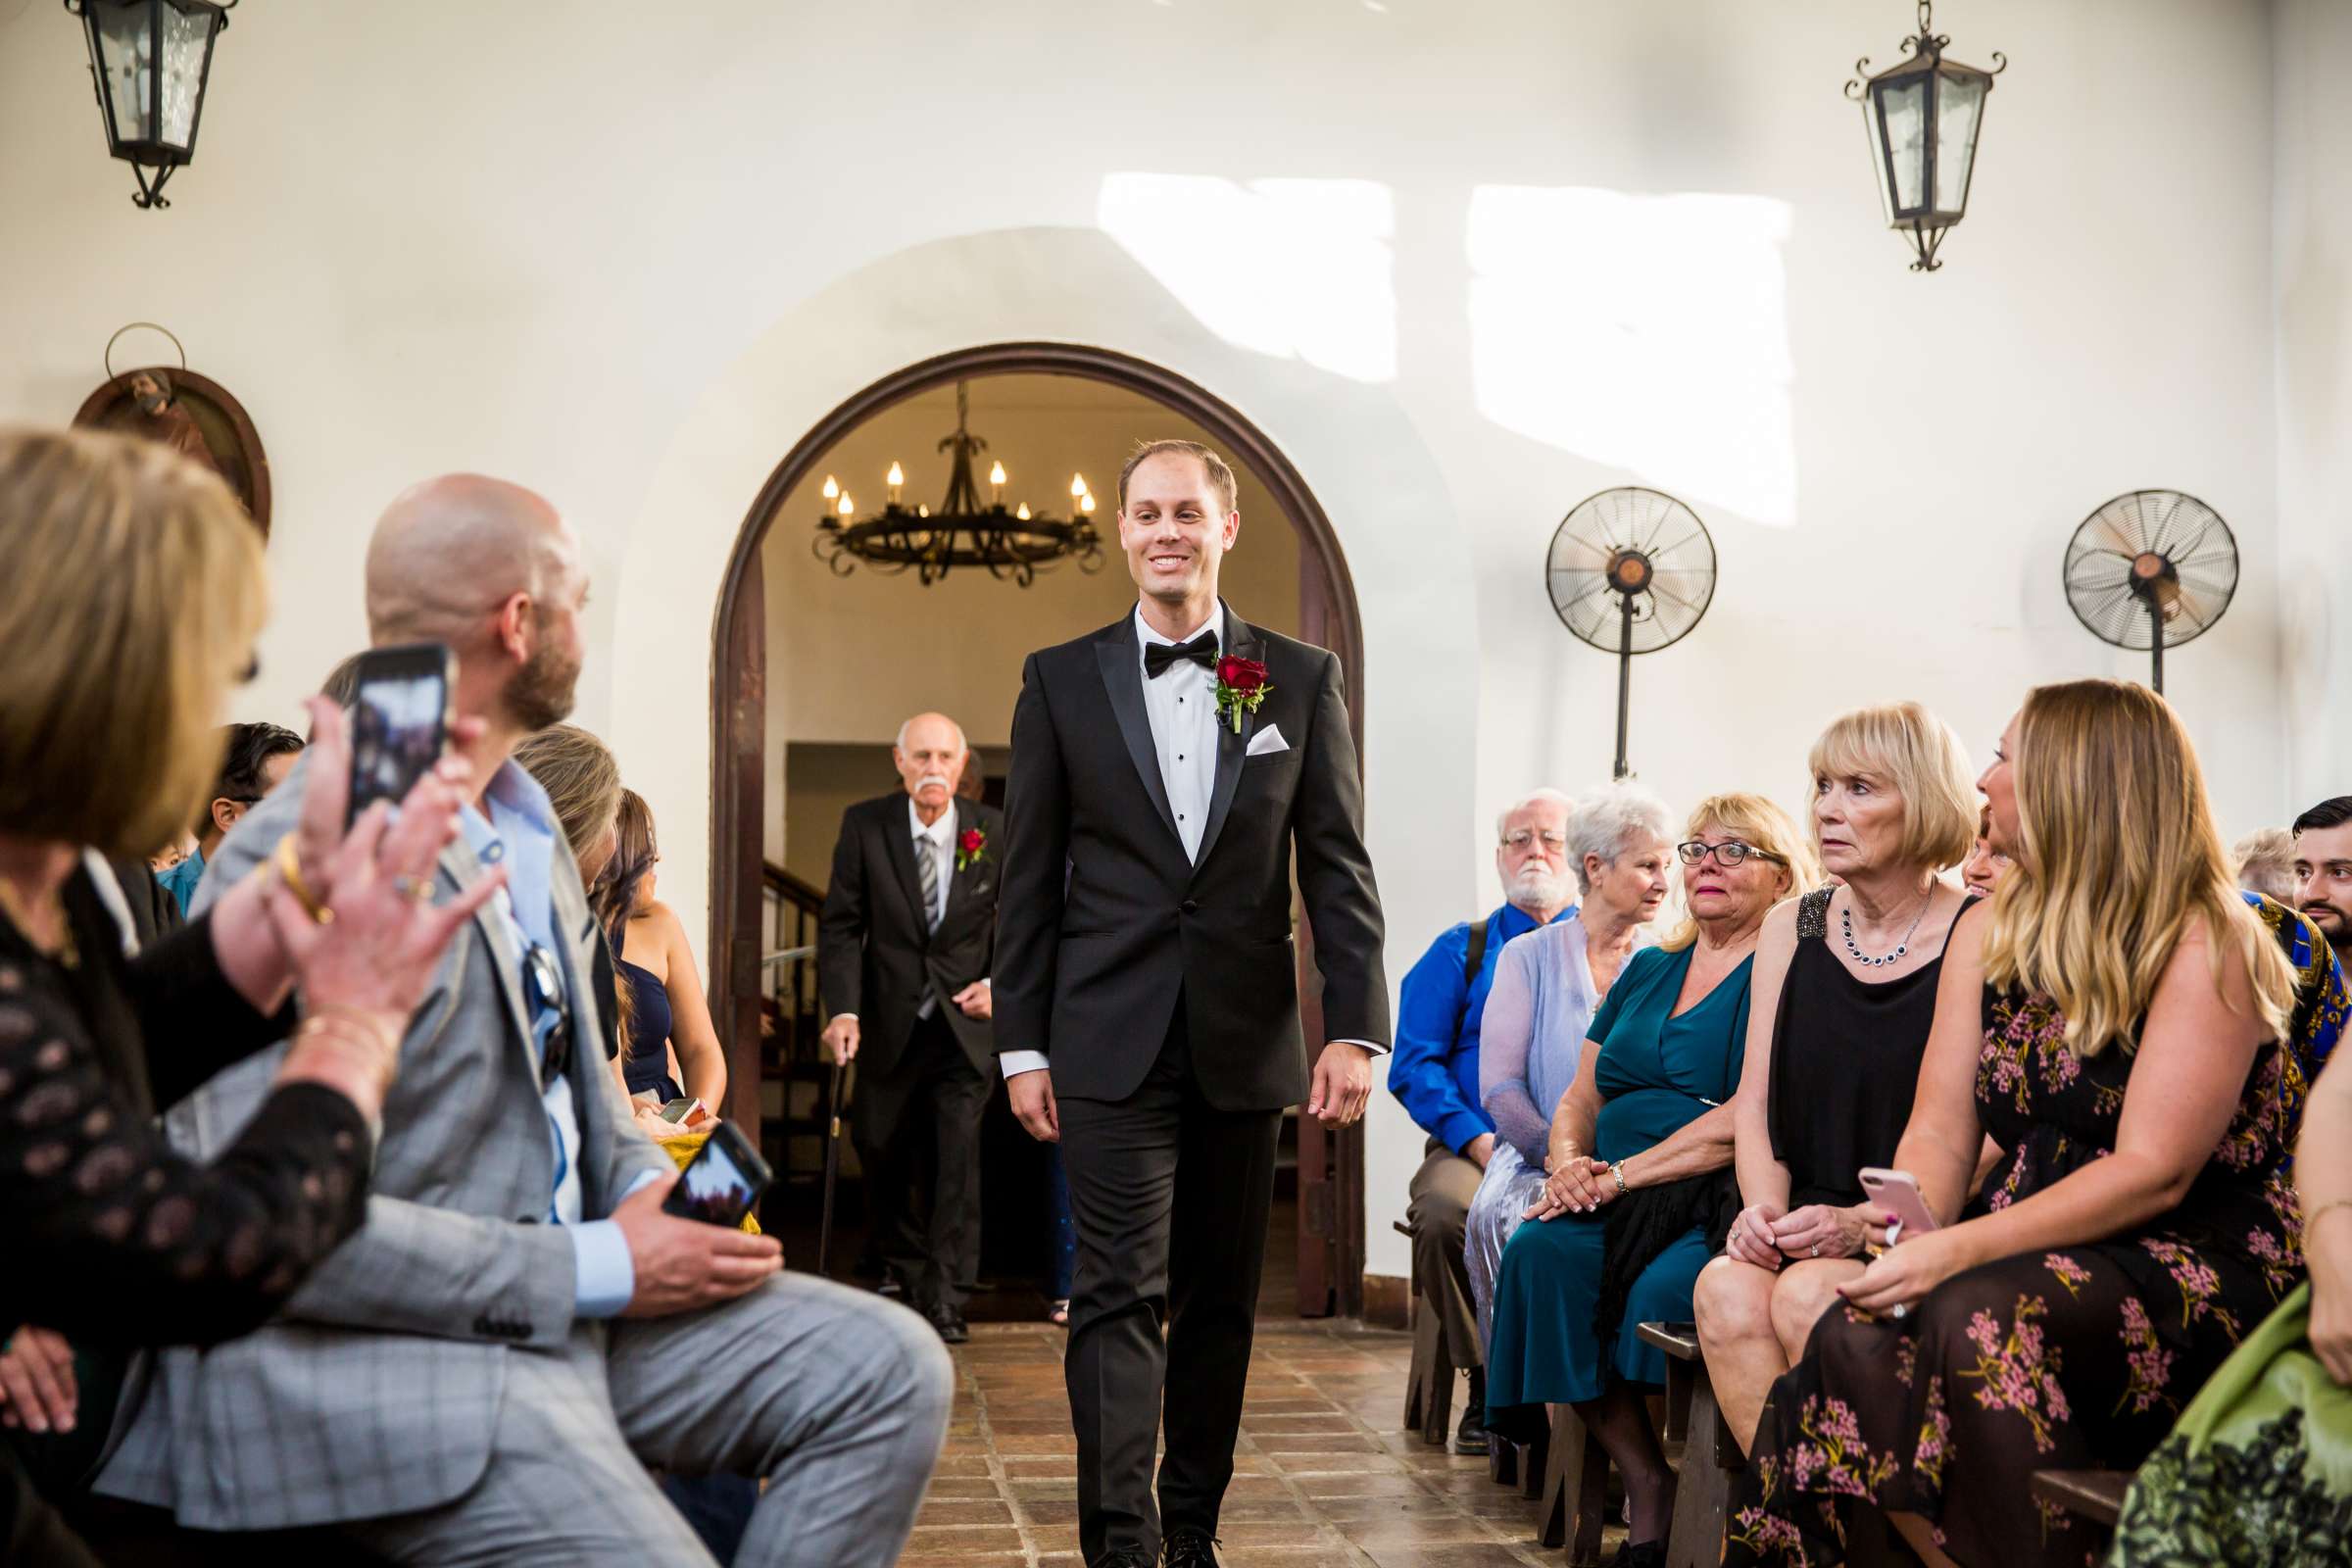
(376, 1390)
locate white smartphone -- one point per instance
(1897, 1193)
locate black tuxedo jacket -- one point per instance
(875, 955)
(1102, 924)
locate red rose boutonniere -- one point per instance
(971, 848)
(1242, 685)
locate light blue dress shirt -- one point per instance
(519, 833)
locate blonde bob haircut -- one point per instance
(1903, 747)
(2120, 861)
(1761, 825)
(129, 607)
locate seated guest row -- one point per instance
(517, 1289)
(2092, 1056)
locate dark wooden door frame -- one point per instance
(1327, 615)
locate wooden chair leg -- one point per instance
(1502, 1461)
(1429, 1388)
(1575, 1501)
(1534, 1465)
(1702, 1492)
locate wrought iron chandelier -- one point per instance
(1014, 543)
(1922, 117)
(150, 61)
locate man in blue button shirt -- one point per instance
(1434, 1072)
(487, 1369)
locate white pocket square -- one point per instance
(1266, 742)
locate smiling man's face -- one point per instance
(1171, 530)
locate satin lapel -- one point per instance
(459, 869)
(1232, 748)
(1123, 678)
(898, 841)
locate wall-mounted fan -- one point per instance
(1631, 571)
(2151, 570)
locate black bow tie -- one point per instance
(1202, 651)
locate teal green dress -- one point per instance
(1655, 1075)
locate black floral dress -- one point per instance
(2065, 1361)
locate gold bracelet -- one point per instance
(289, 871)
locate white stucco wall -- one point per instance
(1467, 266)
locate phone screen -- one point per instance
(397, 734)
(714, 1187)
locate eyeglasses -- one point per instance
(1517, 843)
(543, 989)
(1695, 852)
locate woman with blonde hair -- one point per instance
(1844, 995)
(2113, 1017)
(1639, 1189)
(133, 595)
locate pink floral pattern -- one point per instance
(2077, 1358)
(2071, 1274)
(2017, 1370)
(2147, 1363)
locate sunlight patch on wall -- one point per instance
(1649, 333)
(1303, 269)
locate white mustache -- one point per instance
(940, 779)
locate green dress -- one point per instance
(1657, 1071)
(2260, 1468)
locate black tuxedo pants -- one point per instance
(1169, 1197)
(917, 1129)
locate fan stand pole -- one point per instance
(1625, 676)
(2155, 646)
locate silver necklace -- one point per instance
(1901, 948)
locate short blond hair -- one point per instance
(1218, 471)
(1909, 748)
(132, 597)
(2265, 860)
(1761, 825)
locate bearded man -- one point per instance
(155, 416)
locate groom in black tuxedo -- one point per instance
(1165, 772)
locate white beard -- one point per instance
(1535, 888)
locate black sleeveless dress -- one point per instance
(1845, 1057)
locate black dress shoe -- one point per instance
(1471, 1436)
(950, 1324)
(1125, 1557)
(1190, 1547)
(1644, 1555)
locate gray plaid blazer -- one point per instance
(376, 1390)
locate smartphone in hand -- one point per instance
(722, 1182)
(401, 715)
(1897, 1193)
(680, 1110)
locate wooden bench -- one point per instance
(2093, 1495)
(1429, 1386)
(1710, 1455)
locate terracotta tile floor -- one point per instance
(1323, 1475)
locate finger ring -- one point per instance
(1816, 1249)
(1898, 1311)
(418, 888)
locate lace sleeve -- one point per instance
(114, 1239)
(1505, 1034)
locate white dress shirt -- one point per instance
(1182, 705)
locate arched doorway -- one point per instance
(1331, 1167)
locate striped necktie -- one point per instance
(928, 869)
